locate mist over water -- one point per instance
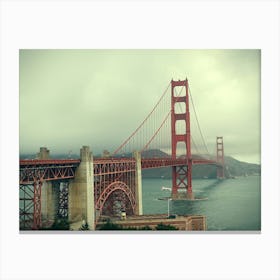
(232, 204)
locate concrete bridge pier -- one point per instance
(81, 192)
(49, 202)
(138, 183)
(49, 194)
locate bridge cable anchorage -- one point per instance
(205, 146)
(142, 134)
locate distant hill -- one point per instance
(240, 168)
(234, 167)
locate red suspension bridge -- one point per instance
(86, 188)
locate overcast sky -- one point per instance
(71, 98)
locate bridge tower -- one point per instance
(220, 158)
(181, 175)
(81, 191)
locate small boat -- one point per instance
(165, 189)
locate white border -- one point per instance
(155, 24)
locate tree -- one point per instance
(111, 226)
(162, 226)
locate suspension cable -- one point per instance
(153, 137)
(138, 128)
(194, 144)
(198, 122)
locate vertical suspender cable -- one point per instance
(198, 123)
(141, 125)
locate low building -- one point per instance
(183, 223)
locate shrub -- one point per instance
(161, 226)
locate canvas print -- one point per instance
(139, 140)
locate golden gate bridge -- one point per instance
(88, 187)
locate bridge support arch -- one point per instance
(128, 204)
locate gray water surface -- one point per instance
(232, 204)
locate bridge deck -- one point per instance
(55, 169)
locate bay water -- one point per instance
(229, 205)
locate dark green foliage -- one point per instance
(161, 226)
(60, 224)
(111, 226)
(145, 228)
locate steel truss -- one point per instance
(114, 186)
(26, 206)
(31, 200)
(114, 183)
(37, 217)
(116, 192)
(30, 205)
(46, 170)
(63, 193)
(113, 166)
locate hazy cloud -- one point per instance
(70, 98)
